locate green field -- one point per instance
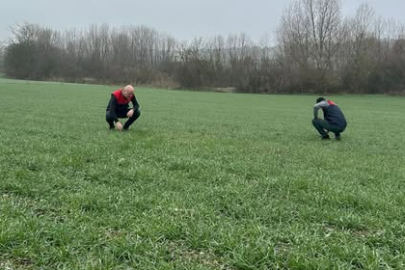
(201, 181)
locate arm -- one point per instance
(135, 107)
(135, 103)
(317, 106)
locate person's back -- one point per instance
(334, 115)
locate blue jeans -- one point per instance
(323, 127)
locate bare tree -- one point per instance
(358, 49)
(315, 49)
(2, 54)
(309, 35)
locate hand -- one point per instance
(130, 113)
(118, 126)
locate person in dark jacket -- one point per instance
(118, 108)
(334, 120)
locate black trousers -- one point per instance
(122, 113)
(323, 127)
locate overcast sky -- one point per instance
(183, 19)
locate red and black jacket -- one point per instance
(119, 103)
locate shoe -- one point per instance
(326, 137)
(337, 137)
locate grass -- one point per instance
(201, 181)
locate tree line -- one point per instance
(315, 50)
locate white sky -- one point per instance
(183, 19)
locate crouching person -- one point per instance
(118, 107)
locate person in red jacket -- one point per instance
(118, 108)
